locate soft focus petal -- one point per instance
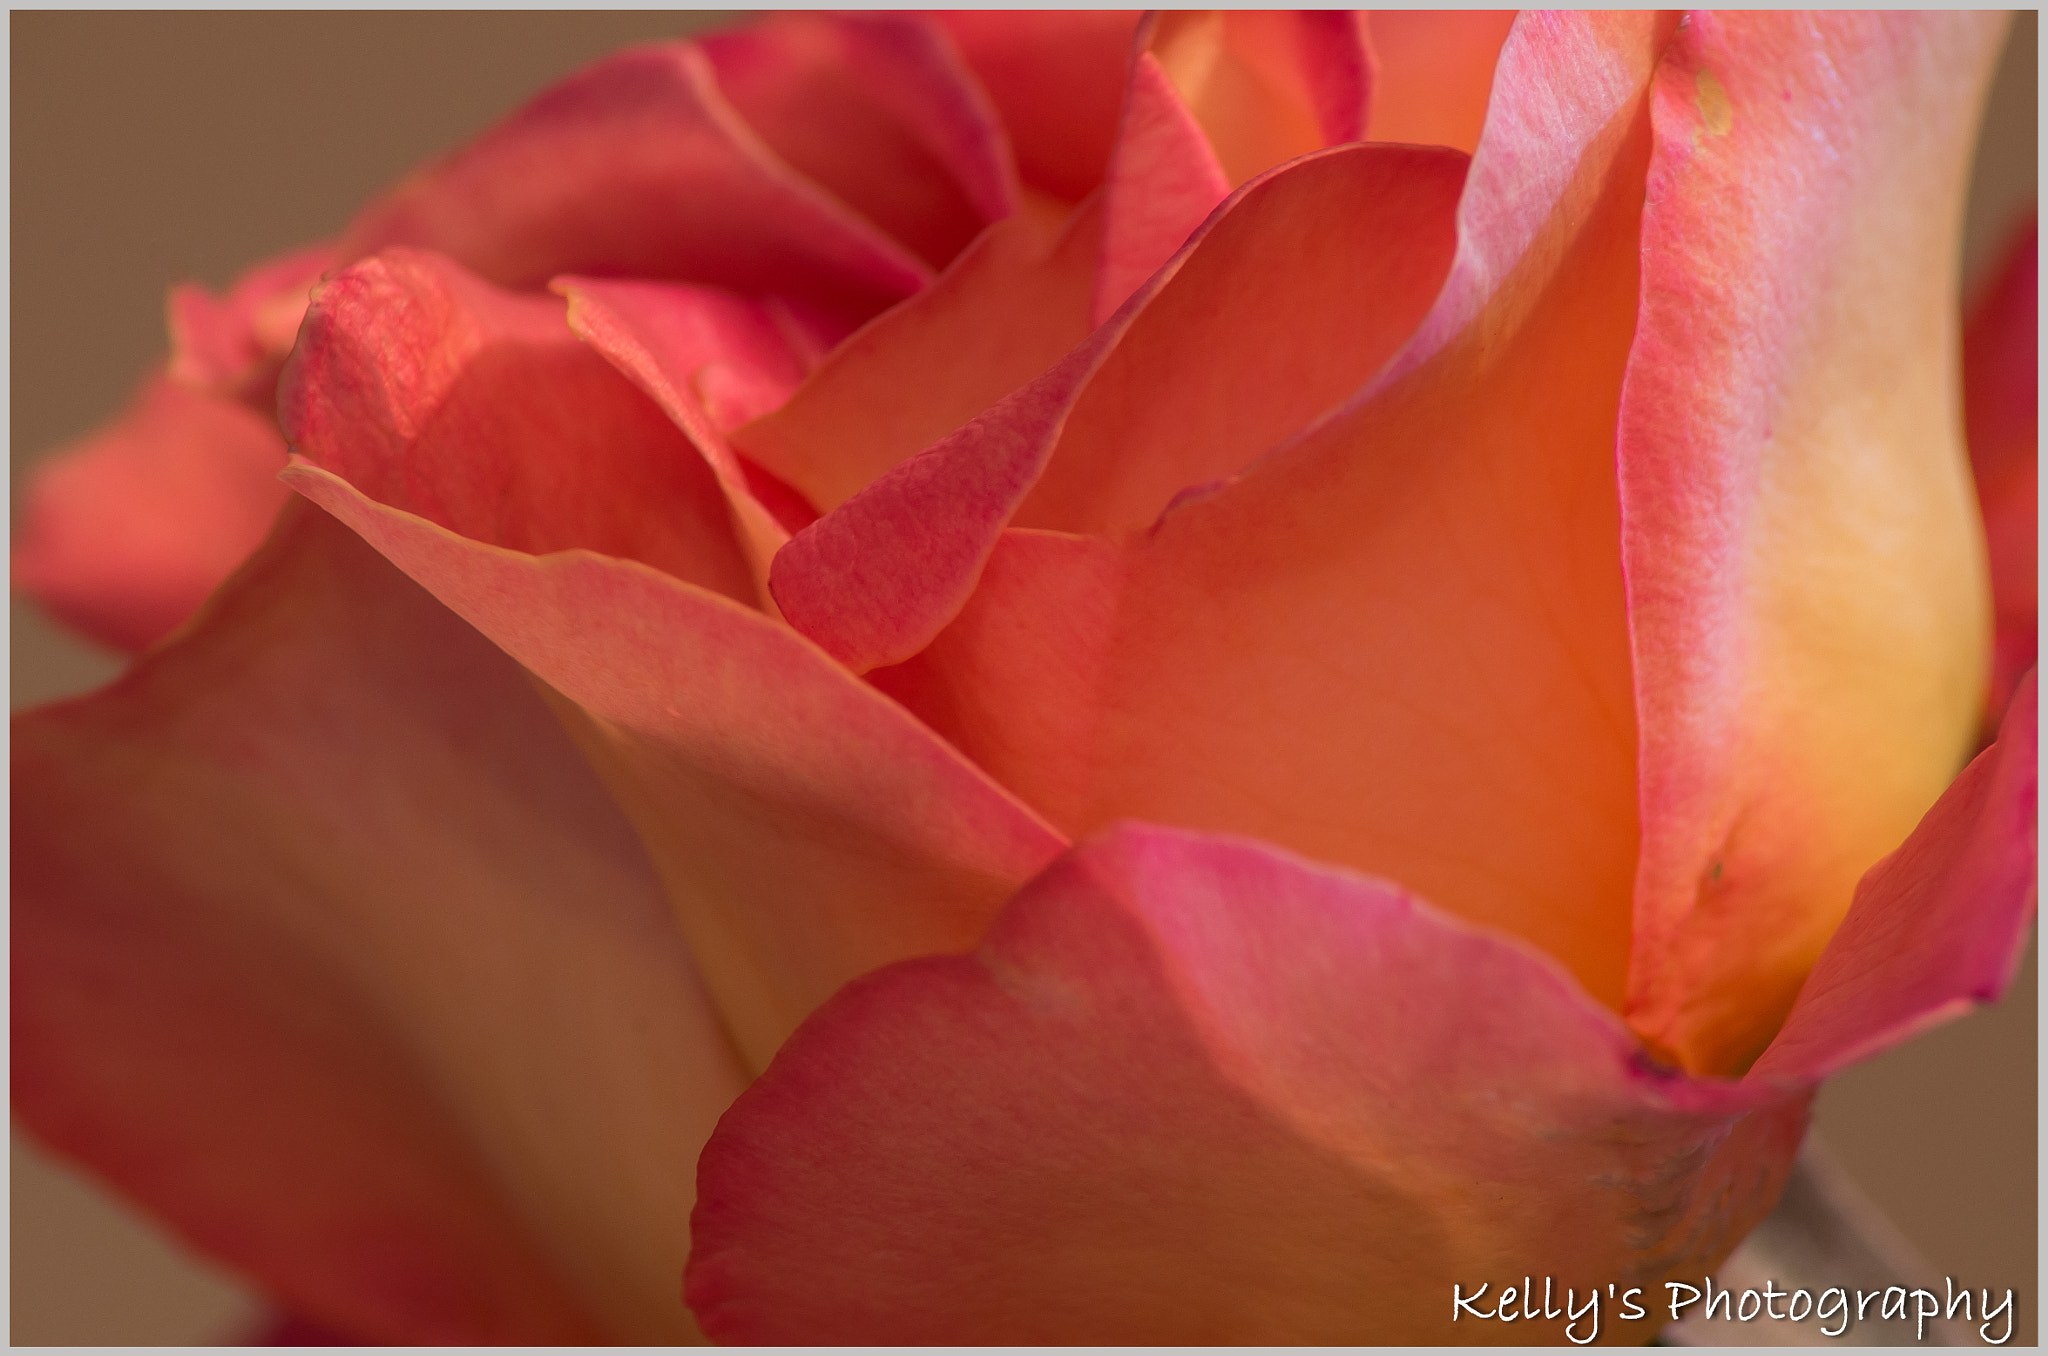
(1805, 568)
(1939, 926)
(1433, 72)
(1010, 307)
(329, 950)
(639, 166)
(807, 829)
(880, 110)
(1057, 79)
(1194, 1090)
(1398, 642)
(1215, 99)
(481, 410)
(712, 361)
(2001, 409)
(235, 344)
(126, 532)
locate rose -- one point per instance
(385, 969)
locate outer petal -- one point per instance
(327, 948)
(128, 531)
(881, 111)
(1193, 1090)
(639, 167)
(1805, 571)
(1057, 78)
(2001, 406)
(807, 828)
(1434, 72)
(1435, 543)
(1937, 927)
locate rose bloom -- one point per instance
(1050, 677)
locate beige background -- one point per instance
(149, 148)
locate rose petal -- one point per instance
(639, 166)
(1938, 927)
(881, 111)
(876, 578)
(712, 361)
(1291, 300)
(1193, 1090)
(1164, 179)
(1057, 79)
(2001, 408)
(1805, 580)
(1215, 99)
(1433, 71)
(235, 344)
(1422, 572)
(481, 410)
(329, 950)
(1012, 305)
(807, 829)
(126, 532)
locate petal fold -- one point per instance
(712, 361)
(1056, 77)
(479, 409)
(1806, 582)
(880, 110)
(1013, 304)
(328, 949)
(1215, 99)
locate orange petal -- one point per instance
(874, 580)
(638, 166)
(1433, 72)
(1057, 79)
(1806, 583)
(126, 532)
(480, 410)
(1292, 298)
(1008, 308)
(1398, 642)
(880, 110)
(1192, 1090)
(329, 950)
(2001, 408)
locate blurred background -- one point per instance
(154, 148)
